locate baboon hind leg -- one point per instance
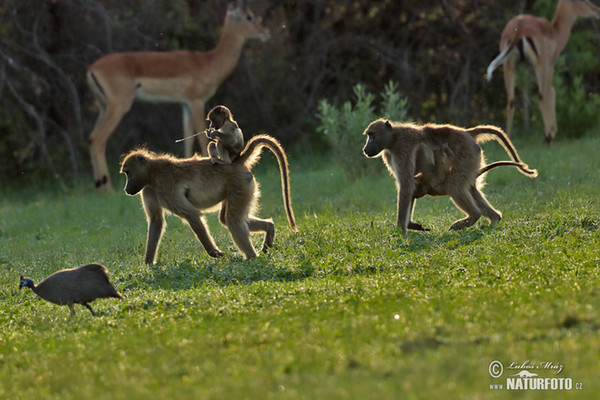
(263, 225)
(486, 209)
(239, 227)
(203, 235)
(465, 201)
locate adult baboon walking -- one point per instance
(408, 151)
(189, 187)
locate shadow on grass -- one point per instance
(188, 274)
(418, 241)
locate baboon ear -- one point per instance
(141, 159)
(388, 124)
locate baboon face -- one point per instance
(135, 168)
(218, 115)
(378, 135)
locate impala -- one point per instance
(540, 42)
(186, 77)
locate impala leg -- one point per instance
(509, 70)
(545, 74)
(194, 121)
(109, 118)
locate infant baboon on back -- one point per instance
(408, 151)
(434, 172)
(227, 137)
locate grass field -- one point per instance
(347, 308)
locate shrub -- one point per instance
(343, 127)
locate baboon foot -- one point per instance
(216, 253)
(494, 216)
(463, 223)
(415, 226)
(269, 238)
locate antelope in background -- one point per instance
(540, 42)
(183, 76)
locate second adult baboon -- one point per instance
(227, 137)
(189, 187)
(407, 149)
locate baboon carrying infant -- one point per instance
(439, 160)
(188, 187)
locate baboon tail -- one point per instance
(250, 156)
(483, 133)
(493, 165)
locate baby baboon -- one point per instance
(227, 137)
(188, 187)
(408, 150)
(434, 172)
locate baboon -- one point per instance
(407, 150)
(189, 187)
(227, 137)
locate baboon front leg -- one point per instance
(415, 226)
(156, 228)
(203, 235)
(240, 233)
(464, 200)
(405, 205)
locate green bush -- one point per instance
(576, 108)
(343, 126)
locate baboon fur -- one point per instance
(190, 187)
(408, 152)
(227, 137)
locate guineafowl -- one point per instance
(78, 285)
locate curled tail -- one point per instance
(493, 165)
(250, 156)
(483, 133)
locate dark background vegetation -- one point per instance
(435, 50)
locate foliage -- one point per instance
(345, 308)
(436, 52)
(342, 127)
(577, 108)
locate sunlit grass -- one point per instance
(345, 308)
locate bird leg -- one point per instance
(72, 309)
(89, 308)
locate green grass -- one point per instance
(347, 308)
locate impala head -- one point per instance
(245, 23)
(584, 8)
(379, 136)
(135, 167)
